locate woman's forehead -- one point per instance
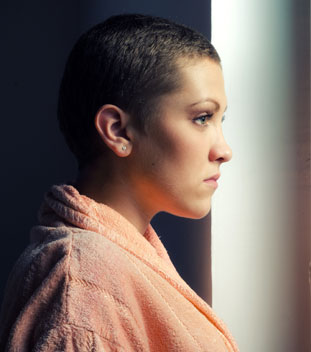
(201, 82)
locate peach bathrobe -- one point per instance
(89, 281)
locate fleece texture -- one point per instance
(89, 281)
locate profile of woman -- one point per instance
(141, 107)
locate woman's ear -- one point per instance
(111, 124)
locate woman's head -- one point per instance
(130, 61)
(183, 146)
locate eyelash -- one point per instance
(207, 117)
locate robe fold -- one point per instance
(89, 281)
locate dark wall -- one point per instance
(36, 37)
(195, 14)
(35, 40)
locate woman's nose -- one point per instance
(221, 151)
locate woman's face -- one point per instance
(184, 145)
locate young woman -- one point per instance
(141, 106)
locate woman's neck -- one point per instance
(117, 193)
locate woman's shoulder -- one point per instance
(84, 251)
(68, 277)
(66, 255)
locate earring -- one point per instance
(123, 147)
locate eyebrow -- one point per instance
(209, 100)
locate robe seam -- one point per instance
(67, 276)
(171, 309)
(92, 286)
(89, 331)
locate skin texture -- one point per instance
(164, 169)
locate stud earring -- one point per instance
(123, 147)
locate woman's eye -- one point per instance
(202, 120)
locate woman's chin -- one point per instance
(194, 213)
(201, 214)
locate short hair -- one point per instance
(128, 60)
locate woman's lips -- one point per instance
(212, 181)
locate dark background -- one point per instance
(36, 38)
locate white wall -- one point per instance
(253, 218)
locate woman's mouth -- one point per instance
(212, 181)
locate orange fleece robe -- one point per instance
(89, 281)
